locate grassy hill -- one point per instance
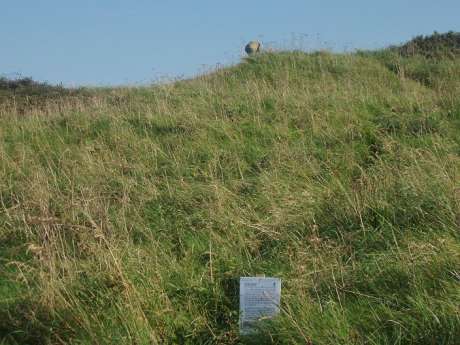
(128, 215)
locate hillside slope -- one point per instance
(127, 216)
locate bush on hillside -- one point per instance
(432, 46)
(28, 86)
(26, 93)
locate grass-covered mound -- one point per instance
(129, 220)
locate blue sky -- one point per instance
(102, 42)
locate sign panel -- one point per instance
(259, 300)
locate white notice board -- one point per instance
(259, 299)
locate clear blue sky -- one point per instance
(112, 42)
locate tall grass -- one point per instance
(128, 217)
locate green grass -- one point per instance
(128, 217)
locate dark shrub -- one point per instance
(26, 93)
(432, 46)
